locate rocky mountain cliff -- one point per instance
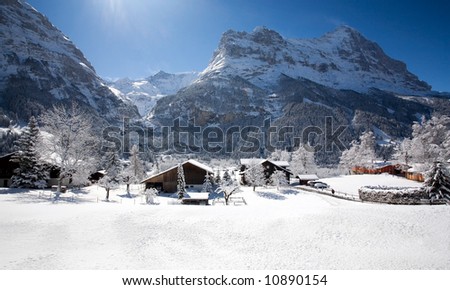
(341, 59)
(40, 66)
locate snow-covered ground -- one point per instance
(288, 230)
(351, 183)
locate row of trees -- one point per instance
(69, 146)
(430, 142)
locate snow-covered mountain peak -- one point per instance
(40, 66)
(145, 92)
(342, 59)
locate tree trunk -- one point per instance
(254, 187)
(107, 194)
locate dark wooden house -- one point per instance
(166, 181)
(269, 168)
(7, 168)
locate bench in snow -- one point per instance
(196, 198)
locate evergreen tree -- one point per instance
(113, 168)
(226, 176)
(31, 172)
(217, 179)
(437, 184)
(207, 184)
(181, 183)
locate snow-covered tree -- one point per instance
(278, 179)
(281, 155)
(360, 154)
(403, 152)
(228, 188)
(226, 175)
(70, 143)
(181, 183)
(217, 179)
(31, 172)
(303, 161)
(134, 172)
(207, 184)
(255, 174)
(113, 168)
(437, 184)
(430, 141)
(151, 195)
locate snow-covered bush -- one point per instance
(392, 195)
(151, 195)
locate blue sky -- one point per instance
(137, 38)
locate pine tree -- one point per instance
(217, 179)
(31, 172)
(207, 184)
(226, 175)
(113, 168)
(437, 185)
(181, 183)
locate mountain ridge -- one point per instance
(341, 59)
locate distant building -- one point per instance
(269, 167)
(303, 179)
(7, 168)
(166, 181)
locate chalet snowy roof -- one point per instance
(307, 176)
(248, 161)
(191, 161)
(281, 163)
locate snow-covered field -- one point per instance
(351, 183)
(288, 230)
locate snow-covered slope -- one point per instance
(144, 93)
(40, 66)
(342, 59)
(283, 230)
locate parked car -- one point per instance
(320, 185)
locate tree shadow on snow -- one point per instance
(270, 195)
(288, 191)
(126, 195)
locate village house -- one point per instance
(166, 181)
(269, 167)
(7, 168)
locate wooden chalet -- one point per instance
(303, 179)
(7, 168)
(166, 181)
(269, 168)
